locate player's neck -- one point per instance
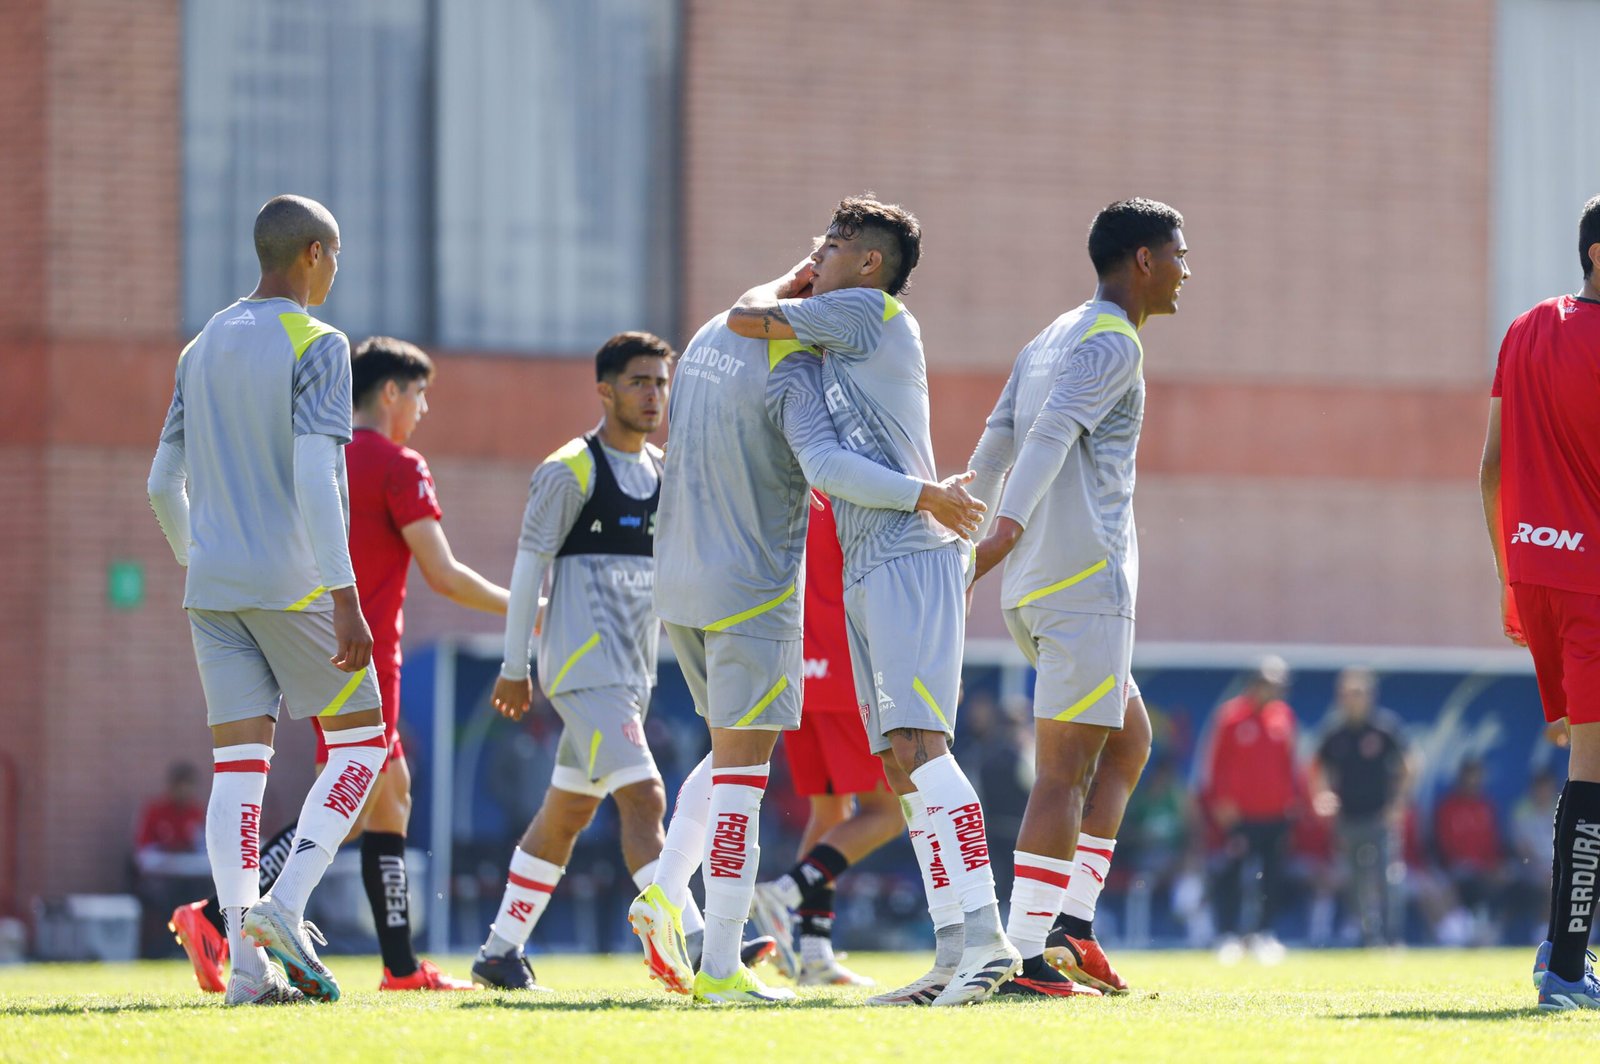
(1590, 290)
(377, 421)
(1123, 296)
(281, 286)
(618, 438)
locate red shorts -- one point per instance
(389, 691)
(828, 755)
(1563, 633)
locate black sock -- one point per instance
(816, 914)
(383, 873)
(1075, 926)
(268, 865)
(816, 872)
(1578, 864)
(1555, 864)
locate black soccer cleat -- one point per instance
(504, 971)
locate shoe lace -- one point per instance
(313, 934)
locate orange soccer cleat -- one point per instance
(426, 977)
(207, 950)
(1083, 960)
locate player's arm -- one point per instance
(1489, 486)
(554, 501)
(320, 409)
(758, 315)
(997, 449)
(168, 484)
(445, 574)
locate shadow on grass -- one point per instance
(102, 1008)
(1493, 1015)
(545, 1003)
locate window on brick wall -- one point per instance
(1547, 150)
(503, 171)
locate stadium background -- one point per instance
(517, 180)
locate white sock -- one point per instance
(233, 839)
(1037, 889)
(529, 885)
(788, 890)
(1089, 878)
(733, 856)
(646, 875)
(956, 817)
(247, 957)
(354, 757)
(944, 906)
(686, 838)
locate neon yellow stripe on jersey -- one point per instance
(316, 593)
(576, 456)
(766, 700)
(594, 752)
(1062, 585)
(922, 690)
(1111, 323)
(344, 695)
(891, 307)
(778, 350)
(754, 611)
(588, 645)
(304, 330)
(1087, 700)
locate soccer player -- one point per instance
(832, 766)
(1541, 465)
(394, 516)
(248, 486)
(904, 575)
(1075, 401)
(750, 429)
(590, 522)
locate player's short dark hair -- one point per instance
(383, 358)
(893, 229)
(286, 226)
(1588, 233)
(615, 354)
(1121, 229)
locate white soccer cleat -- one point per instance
(830, 973)
(271, 987)
(922, 991)
(980, 973)
(275, 929)
(659, 925)
(771, 917)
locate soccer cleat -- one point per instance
(1082, 959)
(207, 950)
(830, 973)
(504, 971)
(272, 927)
(1541, 961)
(269, 988)
(1558, 995)
(757, 951)
(1039, 980)
(980, 973)
(770, 916)
(659, 925)
(426, 977)
(742, 987)
(919, 992)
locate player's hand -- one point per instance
(512, 697)
(995, 546)
(1510, 620)
(354, 650)
(949, 504)
(796, 284)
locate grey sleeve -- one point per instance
(796, 406)
(554, 499)
(996, 450)
(321, 404)
(167, 487)
(172, 427)
(847, 323)
(527, 577)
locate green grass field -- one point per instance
(1419, 1006)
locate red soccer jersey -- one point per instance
(170, 827)
(390, 487)
(829, 685)
(1250, 763)
(1548, 383)
(1465, 832)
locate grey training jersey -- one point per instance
(731, 535)
(1079, 551)
(876, 381)
(600, 626)
(260, 373)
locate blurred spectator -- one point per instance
(1360, 774)
(169, 858)
(1532, 825)
(1466, 840)
(1250, 789)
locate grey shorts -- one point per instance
(906, 622)
(602, 743)
(249, 658)
(1084, 660)
(740, 681)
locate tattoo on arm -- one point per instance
(775, 314)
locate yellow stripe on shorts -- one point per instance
(594, 752)
(922, 689)
(766, 700)
(1087, 700)
(344, 695)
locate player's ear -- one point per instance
(604, 390)
(872, 262)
